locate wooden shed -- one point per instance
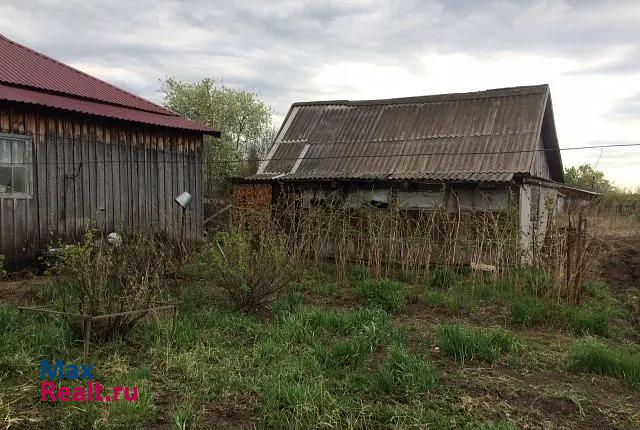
(479, 151)
(75, 150)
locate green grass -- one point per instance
(528, 312)
(442, 277)
(384, 294)
(311, 363)
(403, 374)
(592, 356)
(464, 344)
(589, 321)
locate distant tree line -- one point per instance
(587, 178)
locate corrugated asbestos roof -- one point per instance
(30, 77)
(481, 136)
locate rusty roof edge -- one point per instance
(542, 89)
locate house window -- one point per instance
(15, 166)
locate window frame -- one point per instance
(26, 140)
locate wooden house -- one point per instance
(75, 150)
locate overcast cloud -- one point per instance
(588, 51)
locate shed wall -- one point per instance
(92, 170)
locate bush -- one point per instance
(442, 277)
(106, 279)
(404, 374)
(384, 294)
(254, 270)
(595, 357)
(465, 344)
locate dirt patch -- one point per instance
(621, 266)
(545, 400)
(232, 412)
(21, 293)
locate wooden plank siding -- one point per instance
(95, 171)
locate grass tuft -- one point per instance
(442, 277)
(592, 356)
(453, 303)
(528, 312)
(465, 344)
(589, 321)
(383, 294)
(403, 374)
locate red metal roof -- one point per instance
(30, 77)
(24, 95)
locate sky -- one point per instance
(288, 51)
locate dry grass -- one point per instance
(391, 242)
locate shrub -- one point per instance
(442, 277)
(404, 374)
(465, 344)
(384, 294)
(106, 279)
(595, 357)
(254, 270)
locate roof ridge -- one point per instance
(489, 93)
(46, 57)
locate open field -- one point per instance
(452, 352)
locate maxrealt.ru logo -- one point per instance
(92, 392)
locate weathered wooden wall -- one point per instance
(93, 170)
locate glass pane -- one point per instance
(17, 152)
(5, 151)
(19, 179)
(5, 179)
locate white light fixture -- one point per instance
(184, 200)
